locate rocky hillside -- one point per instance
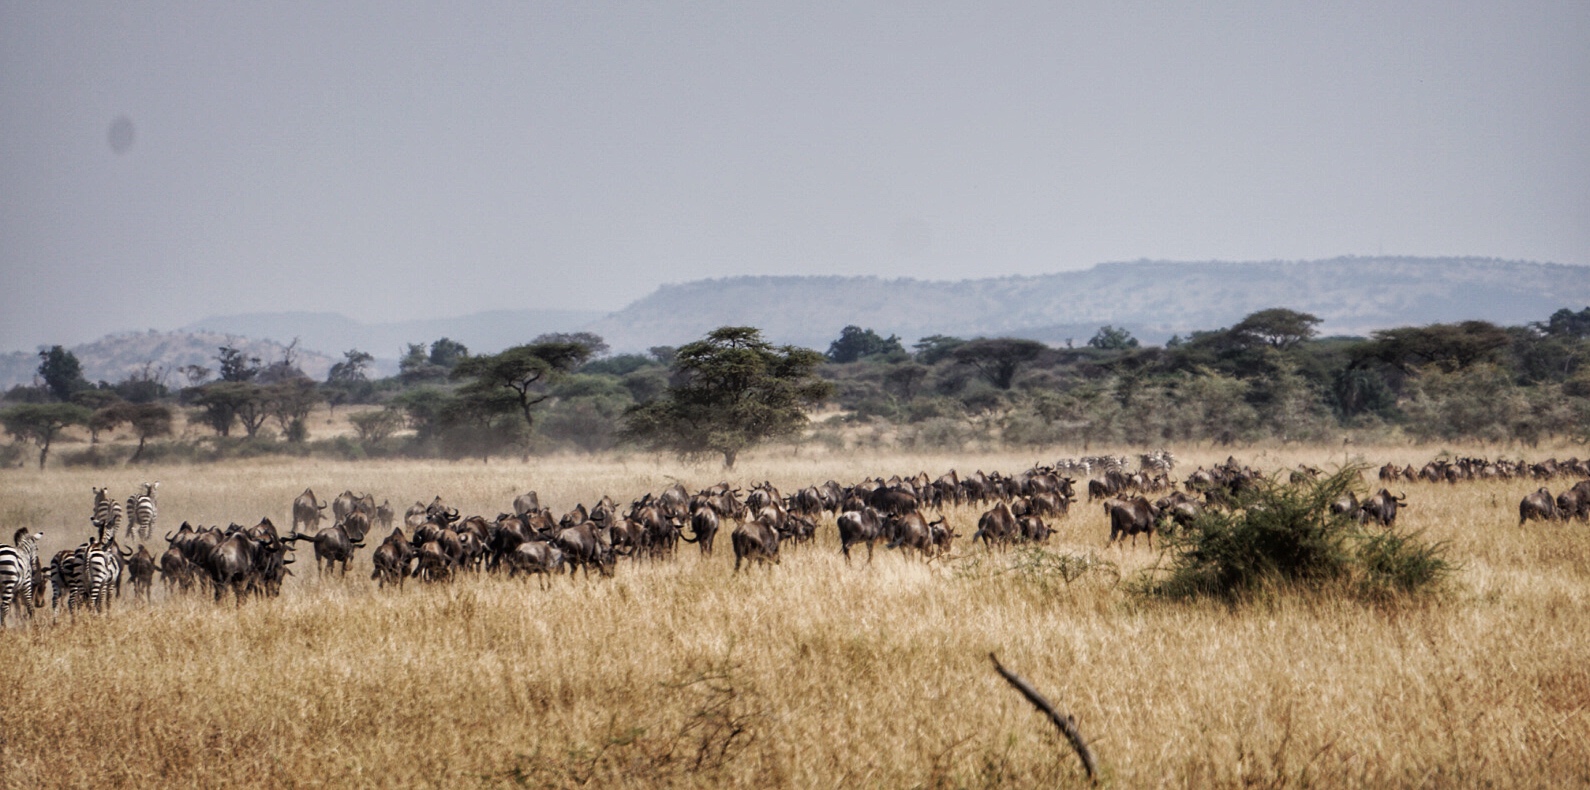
(115, 357)
(1153, 299)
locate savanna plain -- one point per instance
(813, 673)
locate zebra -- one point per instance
(16, 572)
(141, 512)
(64, 569)
(101, 571)
(107, 511)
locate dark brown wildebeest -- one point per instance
(176, 571)
(391, 560)
(1032, 529)
(911, 531)
(536, 557)
(343, 504)
(141, 567)
(1390, 473)
(1130, 517)
(998, 525)
(704, 522)
(755, 541)
(1348, 506)
(415, 516)
(384, 514)
(1382, 507)
(433, 563)
(1575, 502)
(1539, 506)
(306, 510)
(859, 526)
(584, 546)
(336, 543)
(526, 502)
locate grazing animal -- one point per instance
(1131, 517)
(755, 541)
(536, 557)
(704, 522)
(1539, 505)
(1382, 507)
(142, 512)
(384, 514)
(176, 571)
(17, 562)
(307, 511)
(525, 503)
(998, 525)
(391, 560)
(142, 570)
(107, 511)
(859, 526)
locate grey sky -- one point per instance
(390, 160)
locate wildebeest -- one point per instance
(755, 541)
(998, 525)
(1382, 507)
(391, 560)
(704, 522)
(1575, 502)
(525, 503)
(337, 542)
(384, 514)
(1130, 517)
(584, 546)
(1539, 505)
(176, 571)
(859, 526)
(910, 530)
(536, 557)
(141, 567)
(306, 511)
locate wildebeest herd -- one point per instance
(435, 543)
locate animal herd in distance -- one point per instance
(439, 543)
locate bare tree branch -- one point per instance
(1067, 725)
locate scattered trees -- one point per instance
(734, 390)
(42, 423)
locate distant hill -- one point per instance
(334, 333)
(115, 357)
(1154, 299)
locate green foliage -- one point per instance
(856, 343)
(1282, 536)
(997, 359)
(1448, 347)
(1110, 338)
(1567, 323)
(236, 366)
(446, 353)
(934, 349)
(734, 390)
(222, 403)
(62, 373)
(518, 377)
(42, 423)
(376, 425)
(1277, 327)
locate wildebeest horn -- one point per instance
(1402, 498)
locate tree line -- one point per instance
(1269, 376)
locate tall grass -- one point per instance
(812, 674)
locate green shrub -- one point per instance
(1282, 536)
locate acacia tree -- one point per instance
(732, 390)
(42, 423)
(1277, 327)
(523, 372)
(997, 359)
(148, 420)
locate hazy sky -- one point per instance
(163, 162)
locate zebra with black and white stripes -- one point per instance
(107, 511)
(16, 572)
(101, 571)
(142, 511)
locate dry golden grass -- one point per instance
(812, 674)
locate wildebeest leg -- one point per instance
(869, 552)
